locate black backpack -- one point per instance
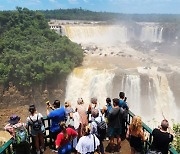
(101, 129)
(36, 125)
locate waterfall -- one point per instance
(161, 99)
(164, 97)
(96, 33)
(112, 33)
(132, 89)
(147, 89)
(151, 33)
(148, 95)
(88, 83)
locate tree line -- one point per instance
(81, 14)
(30, 53)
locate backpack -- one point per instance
(21, 135)
(36, 125)
(109, 107)
(101, 129)
(125, 113)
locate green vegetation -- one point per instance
(176, 142)
(80, 14)
(31, 54)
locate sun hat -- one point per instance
(14, 119)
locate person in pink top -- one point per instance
(64, 138)
(81, 109)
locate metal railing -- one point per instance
(148, 142)
(7, 147)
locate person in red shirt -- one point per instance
(64, 138)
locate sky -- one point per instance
(119, 6)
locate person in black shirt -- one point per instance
(162, 136)
(115, 124)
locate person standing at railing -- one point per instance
(56, 114)
(37, 128)
(98, 128)
(162, 136)
(115, 126)
(105, 111)
(107, 108)
(92, 106)
(136, 135)
(81, 109)
(124, 106)
(69, 113)
(64, 138)
(19, 133)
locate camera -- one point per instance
(47, 103)
(125, 99)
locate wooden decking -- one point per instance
(125, 148)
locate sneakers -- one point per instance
(42, 149)
(56, 151)
(107, 138)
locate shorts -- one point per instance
(35, 132)
(114, 132)
(66, 149)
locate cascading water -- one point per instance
(161, 98)
(88, 83)
(151, 34)
(94, 33)
(112, 33)
(147, 89)
(131, 86)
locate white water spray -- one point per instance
(88, 83)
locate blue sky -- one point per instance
(122, 6)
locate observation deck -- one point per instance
(125, 147)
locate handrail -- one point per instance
(7, 147)
(147, 129)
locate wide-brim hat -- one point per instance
(14, 119)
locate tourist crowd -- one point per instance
(80, 130)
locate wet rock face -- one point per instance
(12, 97)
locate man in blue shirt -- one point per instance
(122, 101)
(57, 114)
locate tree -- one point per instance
(31, 54)
(176, 142)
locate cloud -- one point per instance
(86, 1)
(139, 2)
(52, 0)
(73, 1)
(34, 1)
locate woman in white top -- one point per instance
(37, 128)
(88, 143)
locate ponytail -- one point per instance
(87, 130)
(63, 128)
